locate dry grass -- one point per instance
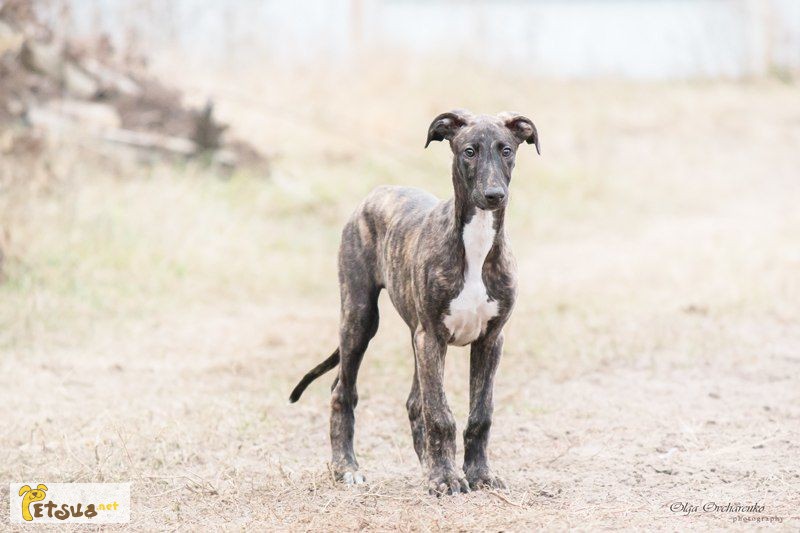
(154, 318)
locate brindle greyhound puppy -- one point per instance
(449, 273)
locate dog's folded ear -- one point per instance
(446, 125)
(522, 128)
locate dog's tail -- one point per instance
(313, 374)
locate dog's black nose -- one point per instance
(494, 195)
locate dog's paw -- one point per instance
(485, 479)
(353, 478)
(348, 474)
(447, 481)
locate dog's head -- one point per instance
(484, 148)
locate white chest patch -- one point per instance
(471, 310)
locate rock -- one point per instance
(15, 107)
(63, 116)
(10, 39)
(24, 142)
(78, 83)
(90, 115)
(48, 59)
(225, 158)
(47, 120)
(42, 58)
(110, 80)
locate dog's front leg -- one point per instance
(440, 426)
(483, 361)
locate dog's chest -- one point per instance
(471, 309)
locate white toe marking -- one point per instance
(350, 478)
(471, 310)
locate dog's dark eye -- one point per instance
(506, 152)
(469, 152)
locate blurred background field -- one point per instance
(168, 302)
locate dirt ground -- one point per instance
(154, 318)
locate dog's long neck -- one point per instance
(465, 211)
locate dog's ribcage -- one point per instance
(471, 310)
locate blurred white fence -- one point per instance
(638, 39)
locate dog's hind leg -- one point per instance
(359, 322)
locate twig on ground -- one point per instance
(501, 497)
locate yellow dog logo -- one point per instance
(34, 495)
